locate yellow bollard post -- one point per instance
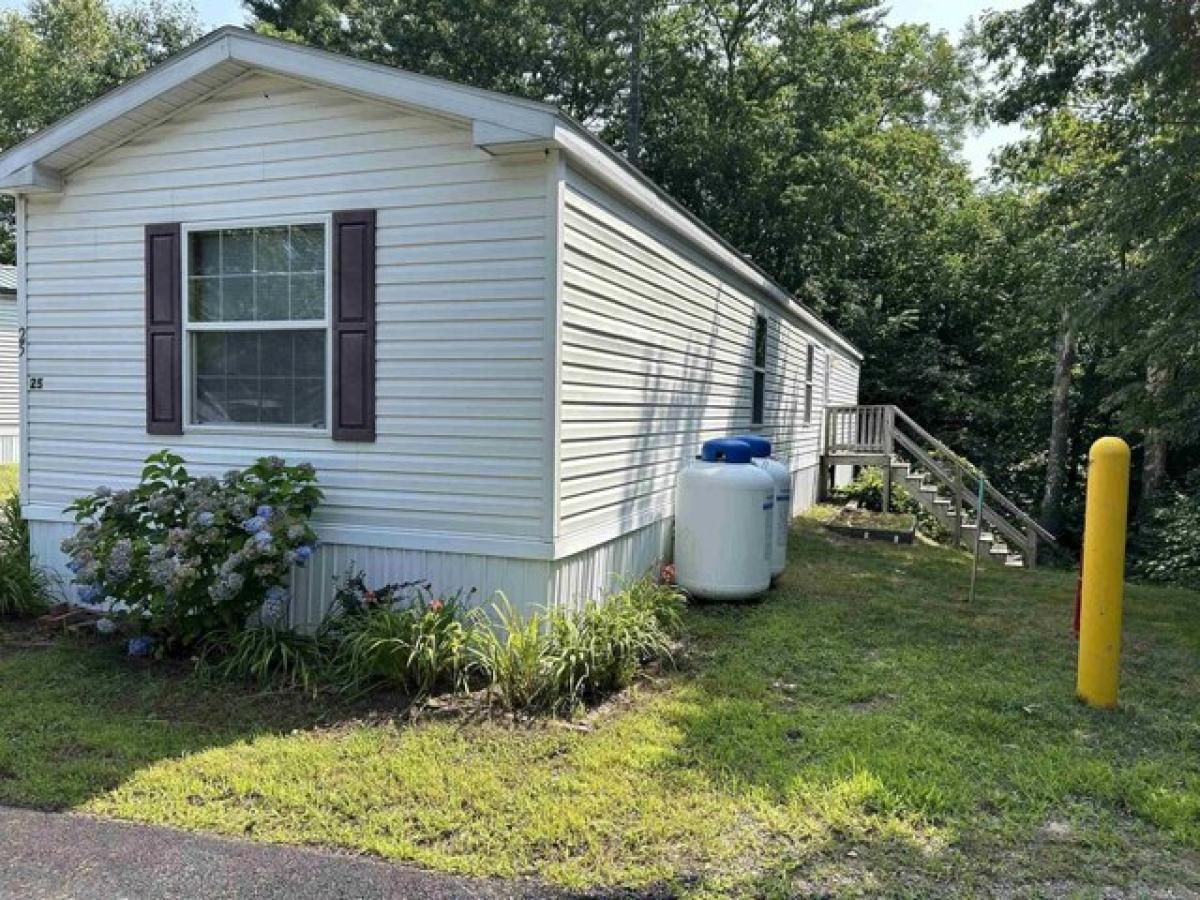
(1103, 572)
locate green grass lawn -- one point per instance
(861, 730)
(10, 478)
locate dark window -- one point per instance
(808, 385)
(257, 325)
(758, 402)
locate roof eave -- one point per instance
(524, 121)
(32, 179)
(609, 168)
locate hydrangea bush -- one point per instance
(188, 556)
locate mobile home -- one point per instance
(496, 341)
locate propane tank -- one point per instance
(724, 510)
(760, 448)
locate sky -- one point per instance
(951, 16)
(944, 15)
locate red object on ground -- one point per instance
(1078, 599)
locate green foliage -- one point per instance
(863, 708)
(10, 479)
(419, 648)
(569, 51)
(664, 602)
(867, 491)
(396, 634)
(59, 54)
(353, 597)
(512, 653)
(1165, 543)
(605, 644)
(24, 586)
(559, 659)
(1107, 89)
(268, 657)
(191, 556)
(400, 636)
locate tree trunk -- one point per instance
(1060, 427)
(633, 126)
(1154, 459)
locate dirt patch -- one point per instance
(871, 704)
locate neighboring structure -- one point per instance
(9, 351)
(495, 340)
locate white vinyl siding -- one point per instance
(461, 307)
(843, 381)
(658, 356)
(9, 378)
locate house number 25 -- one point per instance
(35, 383)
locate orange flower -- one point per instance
(437, 605)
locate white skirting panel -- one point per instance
(804, 488)
(10, 444)
(44, 541)
(526, 582)
(598, 571)
(573, 580)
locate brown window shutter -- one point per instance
(164, 331)
(354, 325)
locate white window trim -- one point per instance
(810, 382)
(189, 327)
(760, 370)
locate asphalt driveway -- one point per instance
(60, 856)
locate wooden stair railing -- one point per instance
(943, 482)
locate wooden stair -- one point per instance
(944, 509)
(944, 484)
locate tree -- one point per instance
(1127, 67)
(568, 52)
(63, 53)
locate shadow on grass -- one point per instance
(861, 729)
(901, 727)
(77, 717)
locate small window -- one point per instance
(808, 384)
(828, 371)
(758, 401)
(257, 325)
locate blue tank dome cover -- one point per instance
(760, 447)
(728, 450)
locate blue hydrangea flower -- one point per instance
(264, 511)
(255, 524)
(262, 538)
(89, 593)
(205, 519)
(275, 605)
(141, 646)
(303, 553)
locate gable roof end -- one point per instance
(39, 163)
